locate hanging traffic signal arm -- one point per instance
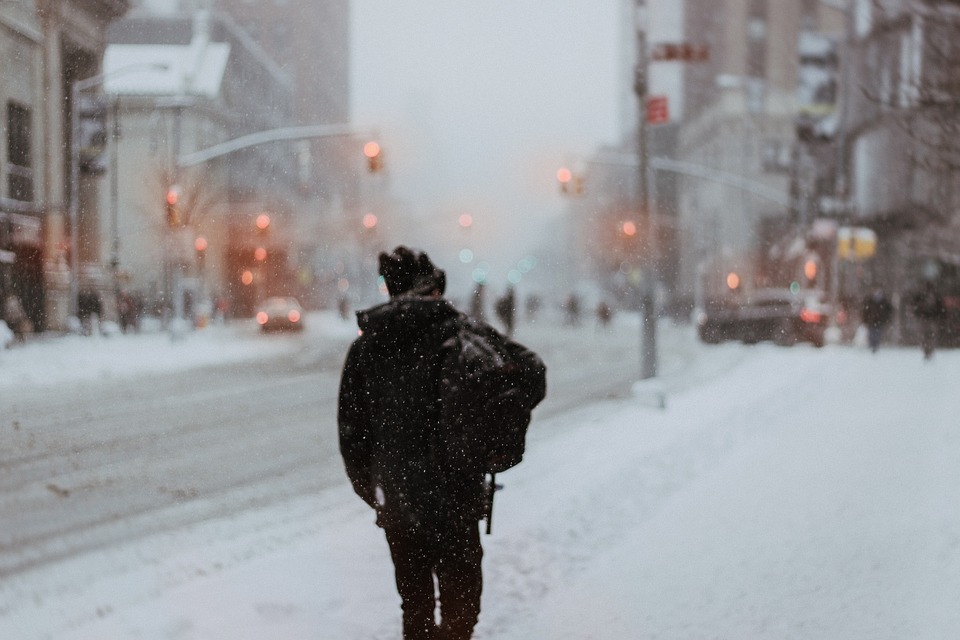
(264, 137)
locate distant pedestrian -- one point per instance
(506, 310)
(604, 314)
(928, 307)
(876, 315)
(343, 307)
(16, 318)
(572, 310)
(89, 310)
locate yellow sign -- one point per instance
(856, 243)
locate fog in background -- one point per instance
(477, 105)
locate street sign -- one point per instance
(680, 51)
(856, 243)
(658, 111)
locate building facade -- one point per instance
(215, 85)
(48, 46)
(903, 150)
(741, 109)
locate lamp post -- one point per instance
(648, 340)
(76, 89)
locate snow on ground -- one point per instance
(48, 361)
(797, 493)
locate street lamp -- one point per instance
(77, 88)
(648, 342)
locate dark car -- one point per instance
(779, 315)
(280, 314)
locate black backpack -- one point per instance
(489, 386)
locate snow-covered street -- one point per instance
(782, 493)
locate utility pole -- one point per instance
(648, 312)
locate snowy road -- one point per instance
(782, 493)
(91, 464)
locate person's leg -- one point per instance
(413, 568)
(460, 578)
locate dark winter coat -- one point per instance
(928, 305)
(877, 311)
(389, 416)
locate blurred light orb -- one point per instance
(466, 256)
(465, 220)
(247, 277)
(479, 275)
(514, 276)
(343, 285)
(369, 221)
(794, 287)
(629, 228)
(564, 175)
(371, 149)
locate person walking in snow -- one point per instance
(929, 309)
(876, 314)
(390, 436)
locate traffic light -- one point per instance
(172, 200)
(200, 246)
(374, 155)
(810, 271)
(570, 182)
(733, 281)
(262, 223)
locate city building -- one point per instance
(306, 43)
(742, 105)
(184, 231)
(49, 46)
(904, 152)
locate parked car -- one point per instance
(280, 314)
(779, 315)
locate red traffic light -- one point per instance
(171, 199)
(374, 156)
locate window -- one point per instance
(20, 171)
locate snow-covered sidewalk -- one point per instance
(53, 360)
(802, 494)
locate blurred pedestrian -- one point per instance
(876, 315)
(929, 309)
(604, 314)
(16, 318)
(506, 310)
(572, 310)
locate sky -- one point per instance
(478, 104)
(809, 508)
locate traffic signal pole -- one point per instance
(648, 298)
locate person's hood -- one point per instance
(405, 315)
